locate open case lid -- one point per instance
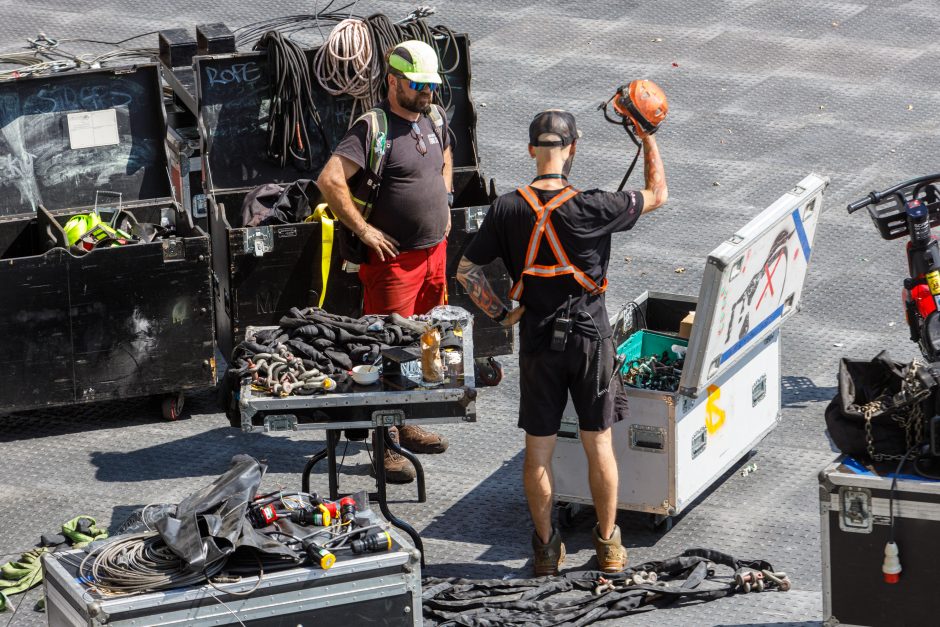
(233, 99)
(67, 136)
(752, 283)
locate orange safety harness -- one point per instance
(543, 227)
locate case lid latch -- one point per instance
(259, 240)
(855, 510)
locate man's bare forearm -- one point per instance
(474, 280)
(656, 190)
(332, 184)
(448, 171)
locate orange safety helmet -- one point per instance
(644, 103)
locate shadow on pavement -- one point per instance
(204, 454)
(86, 417)
(797, 391)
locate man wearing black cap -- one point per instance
(555, 242)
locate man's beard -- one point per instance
(566, 170)
(411, 104)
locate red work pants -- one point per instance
(414, 282)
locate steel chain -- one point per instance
(912, 420)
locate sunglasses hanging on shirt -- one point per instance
(419, 139)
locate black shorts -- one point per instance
(546, 377)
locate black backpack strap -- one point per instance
(377, 147)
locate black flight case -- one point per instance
(117, 322)
(855, 509)
(261, 272)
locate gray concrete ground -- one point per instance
(761, 93)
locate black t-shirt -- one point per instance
(584, 225)
(412, 201)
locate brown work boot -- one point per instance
(548, 557)
(397, 468)
(417, 440)
(611, 555)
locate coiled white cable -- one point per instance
(343, 64)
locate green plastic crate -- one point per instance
(644, 343)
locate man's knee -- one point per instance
(597, 441)
(538, 450)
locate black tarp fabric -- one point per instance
(210, 524)
(567, 600)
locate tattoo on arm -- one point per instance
(472, 277)
(655, 174)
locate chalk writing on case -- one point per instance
(242, 73)
(93, 98)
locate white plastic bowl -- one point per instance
(365, 375)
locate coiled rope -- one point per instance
(344, 64)
(352, 59)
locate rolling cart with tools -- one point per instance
(400, 397)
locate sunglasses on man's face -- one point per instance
(417, 86)
(420, 86)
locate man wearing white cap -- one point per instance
(404, 224)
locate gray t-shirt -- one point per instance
(412, 201)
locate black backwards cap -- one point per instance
(553, 127)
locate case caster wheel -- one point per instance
(567, 514)
(659, 523)
(172, 406)
(489, 372)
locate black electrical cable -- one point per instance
(245, 35)
(894, 484)
(292, 102)
(386, 35)
(111, 43)
(920, 472)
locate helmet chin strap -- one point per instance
(624, 121)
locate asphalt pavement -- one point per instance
(761, 93)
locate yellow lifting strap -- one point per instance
(322, 215)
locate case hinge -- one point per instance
(259, 240)
(699, 442)
(855, 509)
(759, 390)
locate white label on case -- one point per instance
(90, 129)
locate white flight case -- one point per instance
(673, 446)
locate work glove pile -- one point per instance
(310, 345)
(26, 572)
